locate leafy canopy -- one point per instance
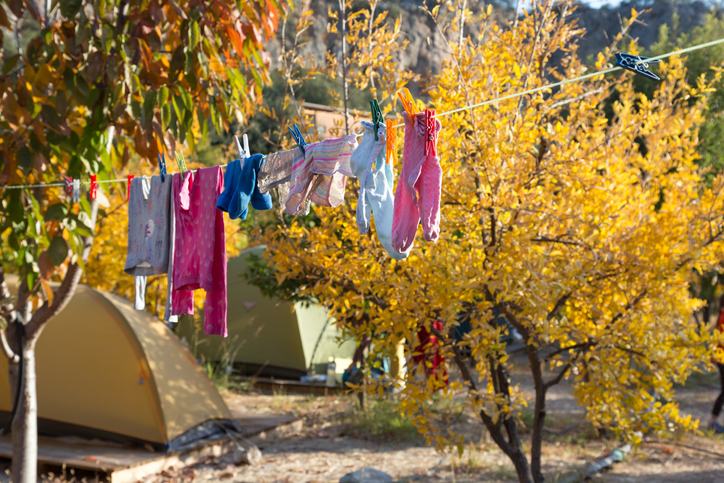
(86, 85)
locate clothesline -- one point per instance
(464, 108)
(50, 185)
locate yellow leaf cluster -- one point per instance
(578, 214)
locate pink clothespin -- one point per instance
(128, 191)
(430, 132)
(68, 185)
(93, 186)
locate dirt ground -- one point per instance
(333, 443)
(325, 449)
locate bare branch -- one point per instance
(559, 305)
(569, 348)
(4, 291)
(5, 346)
(629, 306)
(560, 375)
(545, 239)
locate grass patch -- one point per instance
(223, 378)
(380, 422)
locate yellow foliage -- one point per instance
(583, 231)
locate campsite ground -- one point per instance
(337, 438)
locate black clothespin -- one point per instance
(377, 118)
(637, 64)
(162, 166)
(298, 138)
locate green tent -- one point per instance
(269, 337)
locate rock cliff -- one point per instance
(427, 49)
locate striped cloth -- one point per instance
(321, 175)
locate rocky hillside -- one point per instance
(427, 49)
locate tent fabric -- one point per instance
(103, 366)
(269, 336)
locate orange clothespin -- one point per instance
(128, 191)
(408, 102)
(391, 140)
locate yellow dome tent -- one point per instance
(269, 336)
(106, 370)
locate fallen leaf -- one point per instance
(91, 458)
(668, 450)
(226, 474)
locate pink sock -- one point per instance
(418, 188)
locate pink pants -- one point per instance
(417, 198)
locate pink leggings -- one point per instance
(417, 198)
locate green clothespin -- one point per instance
(181, 162)
(377, 118)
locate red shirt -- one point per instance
(720, 327)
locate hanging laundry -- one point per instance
(276, 172)
(417, 198)
(376, 187)
(150, 235)
(240, 188)
(321, 175)
(428, 352)
(200, 251)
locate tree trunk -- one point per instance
(522, 468)
(536, 443)
(24, 466)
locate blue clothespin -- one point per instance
(298, 138)
(377, 118)
(637, 64)
(162, 166)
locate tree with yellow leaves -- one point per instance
(583, 231)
